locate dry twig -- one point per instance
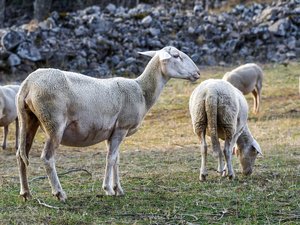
(46, 205)
(64, 173)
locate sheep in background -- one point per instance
(247, 78)
(8, 110)
(77, 110)
(220, 110)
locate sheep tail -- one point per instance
(211, 104)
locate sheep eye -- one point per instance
(176, 56)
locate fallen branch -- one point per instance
(46, 205)
(190, 215)
(61, 174)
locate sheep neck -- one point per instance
(152, 81)
(245, 138)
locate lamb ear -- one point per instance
(148, 53)
(257, 147)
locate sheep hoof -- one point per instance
(118, 191)
(231, 176)
(109, 191)
(224, 173)
(203, 177)
(26, 196)
(61, 196)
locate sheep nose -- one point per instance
(197, 74)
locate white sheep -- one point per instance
(247, 78)
(8, 110)
(77, 110)
(220, 110)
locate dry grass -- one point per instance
(159, 169)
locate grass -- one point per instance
(160, 169)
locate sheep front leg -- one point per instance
(49, 162)
(5, 132)
(256, 99)
(228, 169)
(113, 186)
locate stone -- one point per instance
(147, 21)
(81, 31)
(47, 24)
(291, 43)
(11, 39)
(3, 53)
(197, 9)
(28, 51)
(115, 59)
(279, 27)
(209, 60)
(99, 25)
(110, 8)
(155, 32)
(130, 60)
(196, 57)
(14, 60)
(291, 55)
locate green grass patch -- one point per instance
(160, 169)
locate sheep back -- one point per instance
(96, 104)
(245, 77)
(218, 106)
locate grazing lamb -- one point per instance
(247, 78)
(220, 110)
(77, 110)
(8, 110)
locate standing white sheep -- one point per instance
(247, 78)
(8, 110)
(220, 110)
(76, 110)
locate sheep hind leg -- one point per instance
(256, 101)
(28, 128)
(217, 151)
(17, 133)
(47, 156)
(203, 148)
(5, 132)
(112, 186)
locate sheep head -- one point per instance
(247, 156)
(175, 63)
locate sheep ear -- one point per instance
(148, 53)
(257, 147)
(235, 150)
(163, 55)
